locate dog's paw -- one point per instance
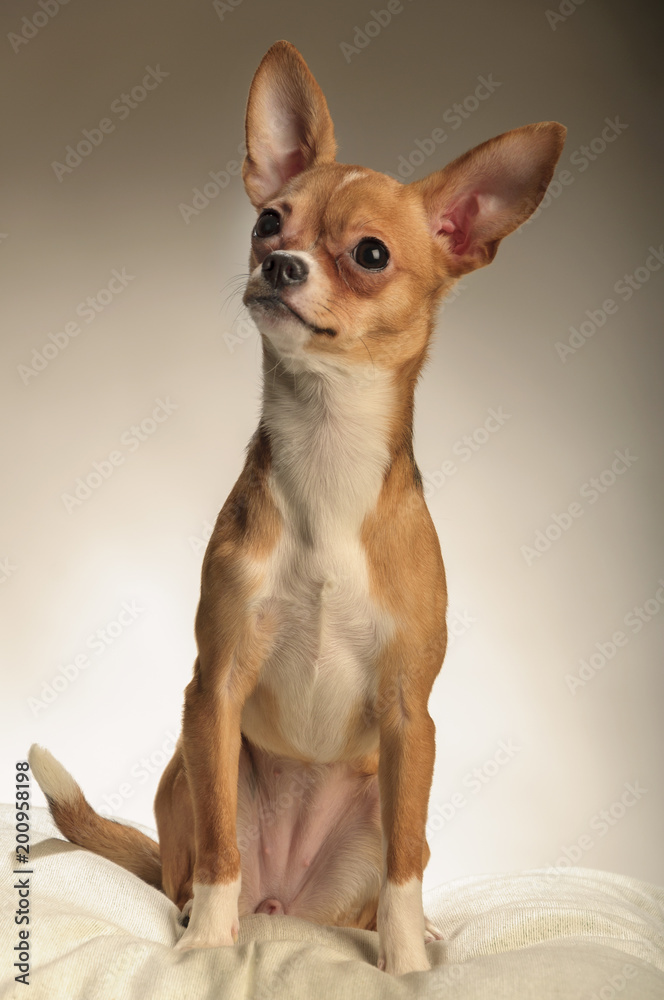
(401, 929)
(212, 919)
(431, 932)
(208, 938)
(401, 960)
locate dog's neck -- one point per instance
(330, 430)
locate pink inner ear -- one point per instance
(292, 162)
(285, 144)
(277, 159)
(458, 219)
(281, 168)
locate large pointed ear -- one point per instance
(488, 192)
(288, 126)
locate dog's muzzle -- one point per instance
(283, 269)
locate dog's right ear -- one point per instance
(488, 192)
(288, 125)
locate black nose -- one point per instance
(283, 269)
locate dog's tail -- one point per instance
(76, 818)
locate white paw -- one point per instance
(213, 917)
(431, 932)
(401, 929)
(206, 939)
(399, 962)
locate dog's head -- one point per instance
(345, 260)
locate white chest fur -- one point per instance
(329, 456)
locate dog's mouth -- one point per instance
(272, 303)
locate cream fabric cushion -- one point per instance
(98, 933)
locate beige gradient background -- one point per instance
(173, 333)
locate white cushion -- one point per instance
(98, 932)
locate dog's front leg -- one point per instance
(211, 748)
(405, 771)
(233, 644)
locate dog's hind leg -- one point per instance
(175, 823)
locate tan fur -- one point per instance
(76, 818)
(233, 641)
(417, 596)
(296, 86)
(252, 803)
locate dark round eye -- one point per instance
(372, 254)
(267, 224)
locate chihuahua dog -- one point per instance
(301, 780)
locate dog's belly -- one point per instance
(314, 698)
(309, 838)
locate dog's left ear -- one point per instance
(488, 192)
(288, 125)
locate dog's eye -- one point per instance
(371, 253)
(267, 224)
